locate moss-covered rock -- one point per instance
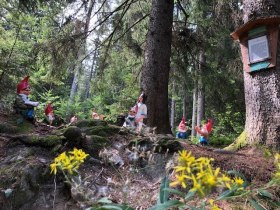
(93, 144)
(73, 135)
(104, 131)
(165, 144)
(142, 142)
(161, 143)
(44, 141)
(7, 128)
(15, 124)
(59, 132)
(23, 178)
(91, 123)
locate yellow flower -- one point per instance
(69, 162)
(179, 168)
(69, 168)
(53, 168)
(185, 157)
(197, 186)
(213, 206)
(65, 161)
(79, 154)
(180, 180)
(277, 157)
(225, 178)
(238, 181)
(225, 181)
(211, 181)
(62, 157)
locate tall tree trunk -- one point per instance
(194, 109)
(185, 101)
(262, 89)
(88, 75)
(92, 70)
(155, 72)
(74, 86)
(200, 90)
(172, 114)
(173, 108)
(77, 66)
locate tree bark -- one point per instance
(173, 108)
(200, 90)
(262, 89)
(185, 101)
(194, 109)
(172, 115)
(155, 72)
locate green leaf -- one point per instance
(177, 192)
(203, 205)
(110, 207)
(265, 193)
(226, 194)
(167, 205)
(163, 194)
(274, 203)
(104, 200)
(189, 207)
(113, 207)
(190, 194)
(256, 205)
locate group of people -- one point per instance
(136, 115)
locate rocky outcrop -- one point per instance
(26, 182)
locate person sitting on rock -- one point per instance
(49, 113)
(141, 112)
(130, 119)
(182, 130)
(23, 105)
(205, 132)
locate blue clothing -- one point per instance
(181, 135)
(130, 121)
(25, 110)
(203, 140)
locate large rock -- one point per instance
(73, 135)
(104, 131)
(158, 143)
(93, 144)
(21, 177)
(90, 123)
(37, 140)
(7, 128)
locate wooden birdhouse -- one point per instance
(258, 43)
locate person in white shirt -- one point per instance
(141, 113)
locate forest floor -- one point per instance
(140, 190)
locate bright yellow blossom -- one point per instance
(239, 181)
(53, 168)
(197, 186)
(200, 173)
(70, 162)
